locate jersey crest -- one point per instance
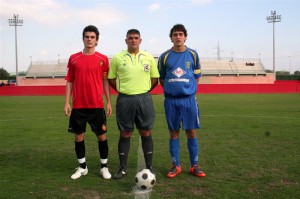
(188, 64)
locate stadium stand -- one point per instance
(53, 69)
(224, 71)
(232, 67)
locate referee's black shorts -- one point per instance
(135, 109)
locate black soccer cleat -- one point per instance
(122, 171)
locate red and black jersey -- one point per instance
(86, 72)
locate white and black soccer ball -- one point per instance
(145, 179)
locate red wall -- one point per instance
(246, 79)
(277, 87)
(32, 90)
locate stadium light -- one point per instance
(273, 19)
(16, 22)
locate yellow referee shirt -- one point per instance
(133, 73)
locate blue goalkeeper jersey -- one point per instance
(179, 70)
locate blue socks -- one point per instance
(193, 150)
(175, 151)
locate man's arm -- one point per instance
(161, 81)
(154, 82)
(107, 95)
(113, 84)
(67, 107)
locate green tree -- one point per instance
(3, 74)
(282, 73)
(23, 73)
(269, 71)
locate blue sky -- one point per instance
(52, 28)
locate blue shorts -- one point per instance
(182, 110)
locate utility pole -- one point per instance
(273, 19)
(290, 64)
(218, 52)
(16, 22)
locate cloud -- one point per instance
(51, 12)
(201, 2)
(43, 52)
(153, 7)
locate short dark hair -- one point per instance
(133, 31)
(91, 28)
(178, 27)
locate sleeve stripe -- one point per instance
(198, 71)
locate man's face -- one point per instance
(133, 41)
(90, 40)
(178, 38)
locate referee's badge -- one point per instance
(101, 63)
(146, 68)
(188, 64)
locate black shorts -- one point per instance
(94, 116)
(135, 109)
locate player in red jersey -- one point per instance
(87, 82)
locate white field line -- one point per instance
(141, 194)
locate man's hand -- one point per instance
(67, 109)
(108, 109)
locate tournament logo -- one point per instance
(103, 127)
(178, 72)
(188, 64)
(146, 68)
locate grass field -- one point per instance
(249, 148)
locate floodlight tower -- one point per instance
(16, 22)
(273, 19)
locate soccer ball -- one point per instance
(144, 179)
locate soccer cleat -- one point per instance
(175, 170)
(80, 172)
(195, 170)
(122, 171)
(105, 173)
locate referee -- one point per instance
(133, 73)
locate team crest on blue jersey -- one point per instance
(178, 72)
(188, 64)
(146, 68)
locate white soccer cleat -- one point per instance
(105, 173)
(80, 172)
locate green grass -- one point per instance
(249, 148)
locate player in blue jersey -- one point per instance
(180, 71)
